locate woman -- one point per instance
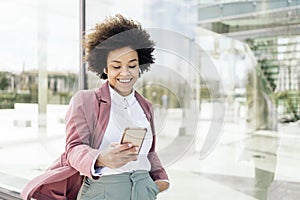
(118, 50)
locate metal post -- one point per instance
(82, 82)
(42, 64)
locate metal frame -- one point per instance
(82, 81)
(9, 195)
(232, 10)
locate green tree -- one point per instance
(4, 82)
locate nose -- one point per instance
(125, 70)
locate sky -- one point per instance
(19, 21)
(19, 31)
(19, 34)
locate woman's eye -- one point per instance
(132, 66)
(116, 67)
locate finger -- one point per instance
(129, 158)
(134, 150)
(133, 157)
(124, 147)
(113, 144)
(117, 148)
(129, 151)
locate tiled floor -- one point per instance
(259, 165)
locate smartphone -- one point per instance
(135, 136)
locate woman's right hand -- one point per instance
(117, 155)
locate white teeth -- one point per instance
(125, 81)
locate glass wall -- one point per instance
(39, 67)
(215, 118)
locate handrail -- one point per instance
(272, 94)
(9, 195)
(267, 85)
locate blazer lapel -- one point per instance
(104, 104)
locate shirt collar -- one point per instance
(121, 100)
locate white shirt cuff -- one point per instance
(96, 171)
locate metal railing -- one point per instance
(6, 194)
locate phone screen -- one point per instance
(135, 136)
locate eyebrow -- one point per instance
(132, 60)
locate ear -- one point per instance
(105, 70)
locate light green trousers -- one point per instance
(136, 185)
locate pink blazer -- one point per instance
(86, 122)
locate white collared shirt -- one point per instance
(125, 112)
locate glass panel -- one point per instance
(216, 111)
(38, 75)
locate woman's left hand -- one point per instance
(162, 185)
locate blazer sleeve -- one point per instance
(157, 170)
(79, 128)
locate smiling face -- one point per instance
(122, 69)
